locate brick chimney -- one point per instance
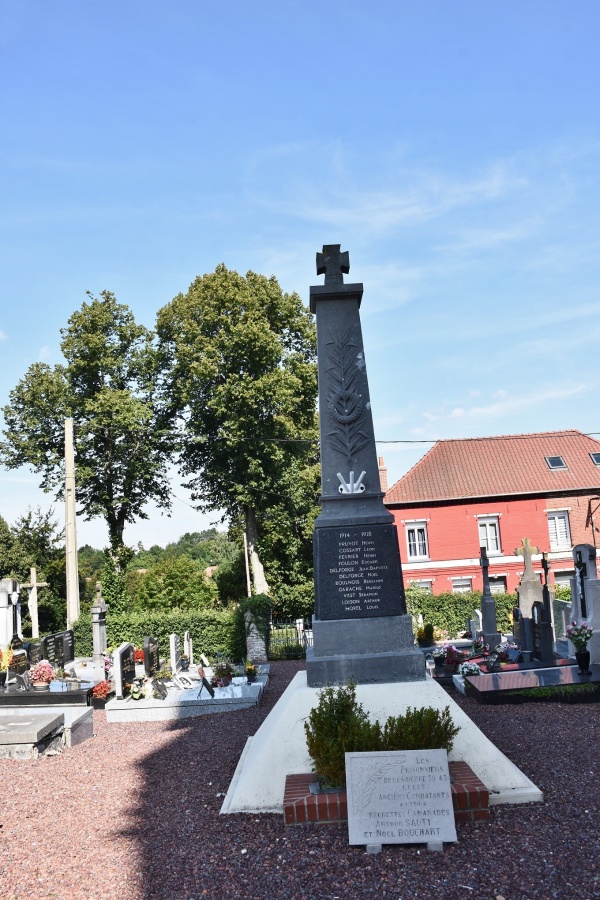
(383, 479)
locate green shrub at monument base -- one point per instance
(339, 725)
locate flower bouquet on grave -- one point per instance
(6, 658)
(480, 648)
(138, 655)
(469, 668)
(501, 650)
(453, 657)
(250, 671)
(439, 655)
(223, 674)
(101, 690)
(579, 635)
(41, 675)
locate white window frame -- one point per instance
(462, 585)
(424, 584)
(489, 522)
(418, 543)
(494, 583)
(562, 537)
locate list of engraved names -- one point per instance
(360, 570)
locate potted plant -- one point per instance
(100, 694)
(6, 658)
(41, 675)
(425, 635)
(579, 636)
(469, 668)
(439, 655)
(223, 674)
(251, 671)
(453, 657)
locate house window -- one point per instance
(497, 584)
(489, 534)
(424, 585)
(416, 540)
(556, 462)
(563, 577)
(558, 529)
(595, 458)
(461, 585)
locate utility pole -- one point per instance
(70, 527)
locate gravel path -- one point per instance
(134, 813)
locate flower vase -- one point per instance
(41, 685)
(583, 661)
(3, 679)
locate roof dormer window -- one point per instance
(595, 458)
(556, 462)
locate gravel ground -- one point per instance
(134, 813)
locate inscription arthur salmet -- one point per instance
(359, 572)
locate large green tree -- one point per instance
(111, 386)
(243, 379)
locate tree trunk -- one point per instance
(259, 581)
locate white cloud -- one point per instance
(3, 335)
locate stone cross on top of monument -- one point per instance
(333, 264)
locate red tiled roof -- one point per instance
(497, 466)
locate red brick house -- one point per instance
(493, 492)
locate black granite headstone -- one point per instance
(19, 664)
(35, 653)
(58, 648)
(151, 656)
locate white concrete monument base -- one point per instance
(279, 748)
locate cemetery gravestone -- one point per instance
(361, 629)
(151, 656)
(188, 647)
(175, 648)
(123, 669)
(585, 595)
(399, 797)
(491, 635)
(543, 643)
(20, 663)
(35, 653)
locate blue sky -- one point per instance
(451, 148)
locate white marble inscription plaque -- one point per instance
(402, 797)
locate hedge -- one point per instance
(212, 631)
(451, 611)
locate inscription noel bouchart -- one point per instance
(359, 575)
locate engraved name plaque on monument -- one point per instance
(360, 627)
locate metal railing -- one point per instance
(289, 638)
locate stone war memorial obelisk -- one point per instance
(361, 630)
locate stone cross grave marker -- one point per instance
(123, 669)
(530, 588)
(32, 588)
(399, 797)
(151, 656)
(175, 653)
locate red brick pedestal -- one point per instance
(470, 799)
